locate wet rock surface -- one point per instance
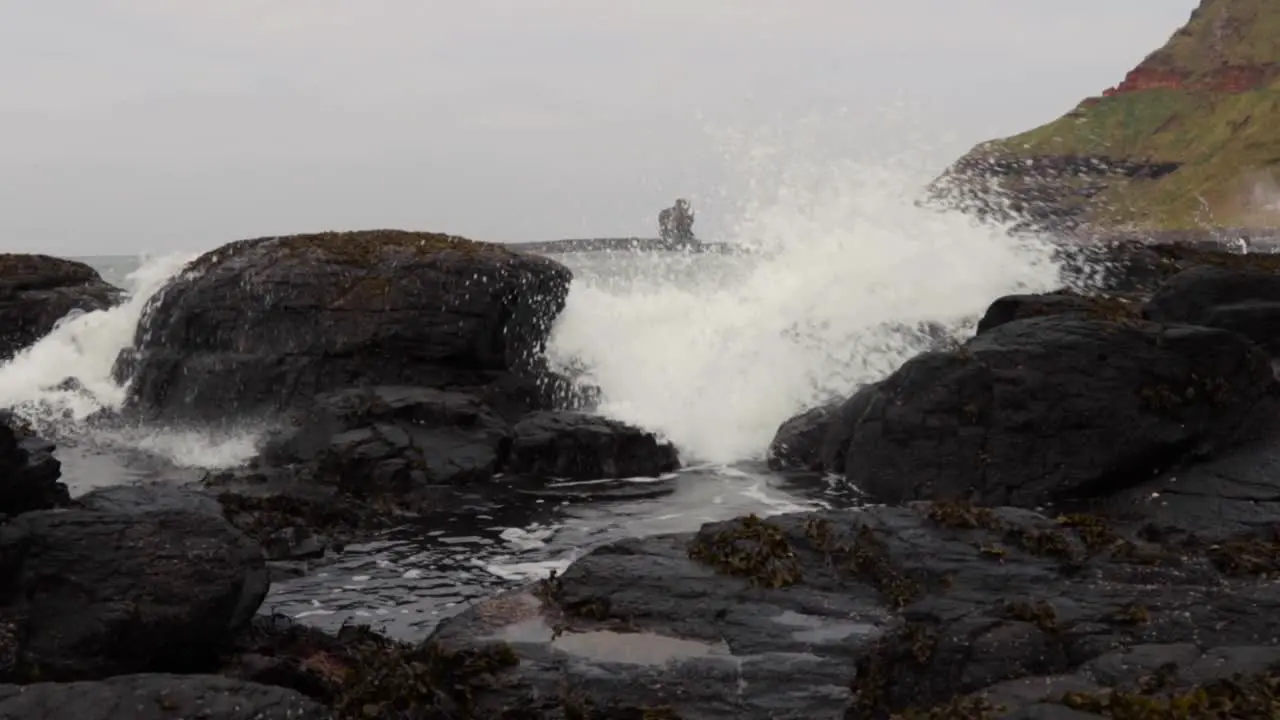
(267, 324)
(373, 458)
(157, 697)
(92, 594)
(36, 291)
(1244, 301)
(29, 473)
(578, 446)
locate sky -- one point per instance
(151, 125)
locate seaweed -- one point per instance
(751, 548)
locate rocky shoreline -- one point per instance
(1071, 514)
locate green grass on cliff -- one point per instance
(1223, 32)
(1225, 143)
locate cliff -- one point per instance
(1189, 139)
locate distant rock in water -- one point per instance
(267, 324)
(1187, 140)
(36, 291)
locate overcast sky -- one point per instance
(151, 125)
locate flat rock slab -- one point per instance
(157, 697)
(865, 613)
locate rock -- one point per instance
(36, 291)
(157, 697)
(361, 674)
(798, 443)
(93, 594)
(138, 499)
(1057, 304)
(882, 610)
(390, 440)
(817, 440)
(267, 324)
(576, 446)
(1244, 301)
(28, 470)
(1050, 408)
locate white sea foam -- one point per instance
(716, 351)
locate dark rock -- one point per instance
(576, 446)
(28, 470)
(818, 440)
(157, 697)
(1053, 408)
(390, 440)
(36, 291)
(1245, 301)
(1060, 304)
(92, 594)
(363, 675)
(798, 443)
(884, 610)
(266, 324)
(136, 499)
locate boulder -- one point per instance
(576, 446)
(797, 445)
(267, 324)
(93, 594)
(817, 440)
(36, 291)
(1051, 408)
(1242, 300)
(28, 470)
(931, 610)
(157, 697)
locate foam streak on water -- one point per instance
(716, 358)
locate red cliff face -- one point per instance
(1226, 79)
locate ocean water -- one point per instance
(840, 265)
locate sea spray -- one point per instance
(845, 266)
(65, 379)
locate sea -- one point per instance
(711, 350)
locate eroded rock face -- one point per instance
(157, 697)
(268, 324)
(36, 291)
(28, 470)
(93, 594)
(1050, 408)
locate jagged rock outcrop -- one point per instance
(1187, 140)
(36, 291)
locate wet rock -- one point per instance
(1051, 408)
(36, 291)
(92, 594)
(28, 470)
(152, 497)
(267, 324)
(1245, 301)
(361, 674)
(1061, 304)
(577, 446)
(157, 697)
(818, 440)
(798, 443)
(883, 610)
(391, 440)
